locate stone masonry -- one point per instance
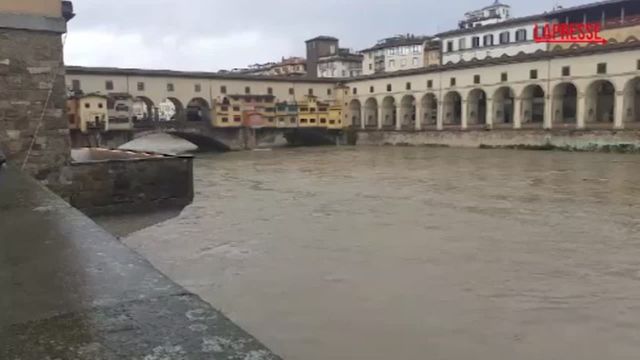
(31, 64)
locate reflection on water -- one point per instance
(415, 253)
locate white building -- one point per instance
(397, 53)
(344, 64)
(506, 38)
(492, 14)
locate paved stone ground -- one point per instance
(70, 290)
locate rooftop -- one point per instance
(399, 40)
(530, 18)
(82, 70)
(323, 37)
(505, 59)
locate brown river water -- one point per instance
(412, 253)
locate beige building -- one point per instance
(589, 88)
(88, 112)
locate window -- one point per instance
(291, 91)
(75, 85)
(303, 121)
(462, 43)
(236, 108)
(223, 89)
(408, 86)
(87, 105)
(533, 74)
(403, 63)
(170, 87)
(140, 86)
(521, 35)
(415, 61)
(225, 119)
(371, 89)
(452, 81)
(292, 120)
(475, 42)
(429, 84)
(313, 121)
(310, 91)
(505, 37)
(332, 49)
(370, 66)
(476, 79)
(197, 88)
(247, 90)
(488, 40)
(392, 63)
(449, 46)
(602, 68)
(108, 85)
(237, 119)
(354, 91)
(566, 71)
(504, 77)
(329, 92)
(323, 121)
(100, 106)
(270, 91)
(388, 87)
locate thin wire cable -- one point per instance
(44, 109)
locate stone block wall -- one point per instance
(31, 65)
(574, 140)
(130, 185)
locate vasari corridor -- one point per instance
(320, 181)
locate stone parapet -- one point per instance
(108, 182)
(70, 290)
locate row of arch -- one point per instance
(171, 109)
(503, 108)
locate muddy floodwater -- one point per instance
(414, 253)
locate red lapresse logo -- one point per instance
(568, 33)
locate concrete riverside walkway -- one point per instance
(70, 290)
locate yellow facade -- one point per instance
(90, 112)
(227, 112)
(335, 117)
(311, 112)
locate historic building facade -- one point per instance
(397, 53)
(590, 88)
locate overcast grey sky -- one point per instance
(210, 35)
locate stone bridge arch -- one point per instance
(202, 135)
(198, 109)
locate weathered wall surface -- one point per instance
(115, 186)
(592, 140)
(30, 65)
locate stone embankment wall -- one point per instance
(130, 185)
(574, 140)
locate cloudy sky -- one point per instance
(210, 35)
